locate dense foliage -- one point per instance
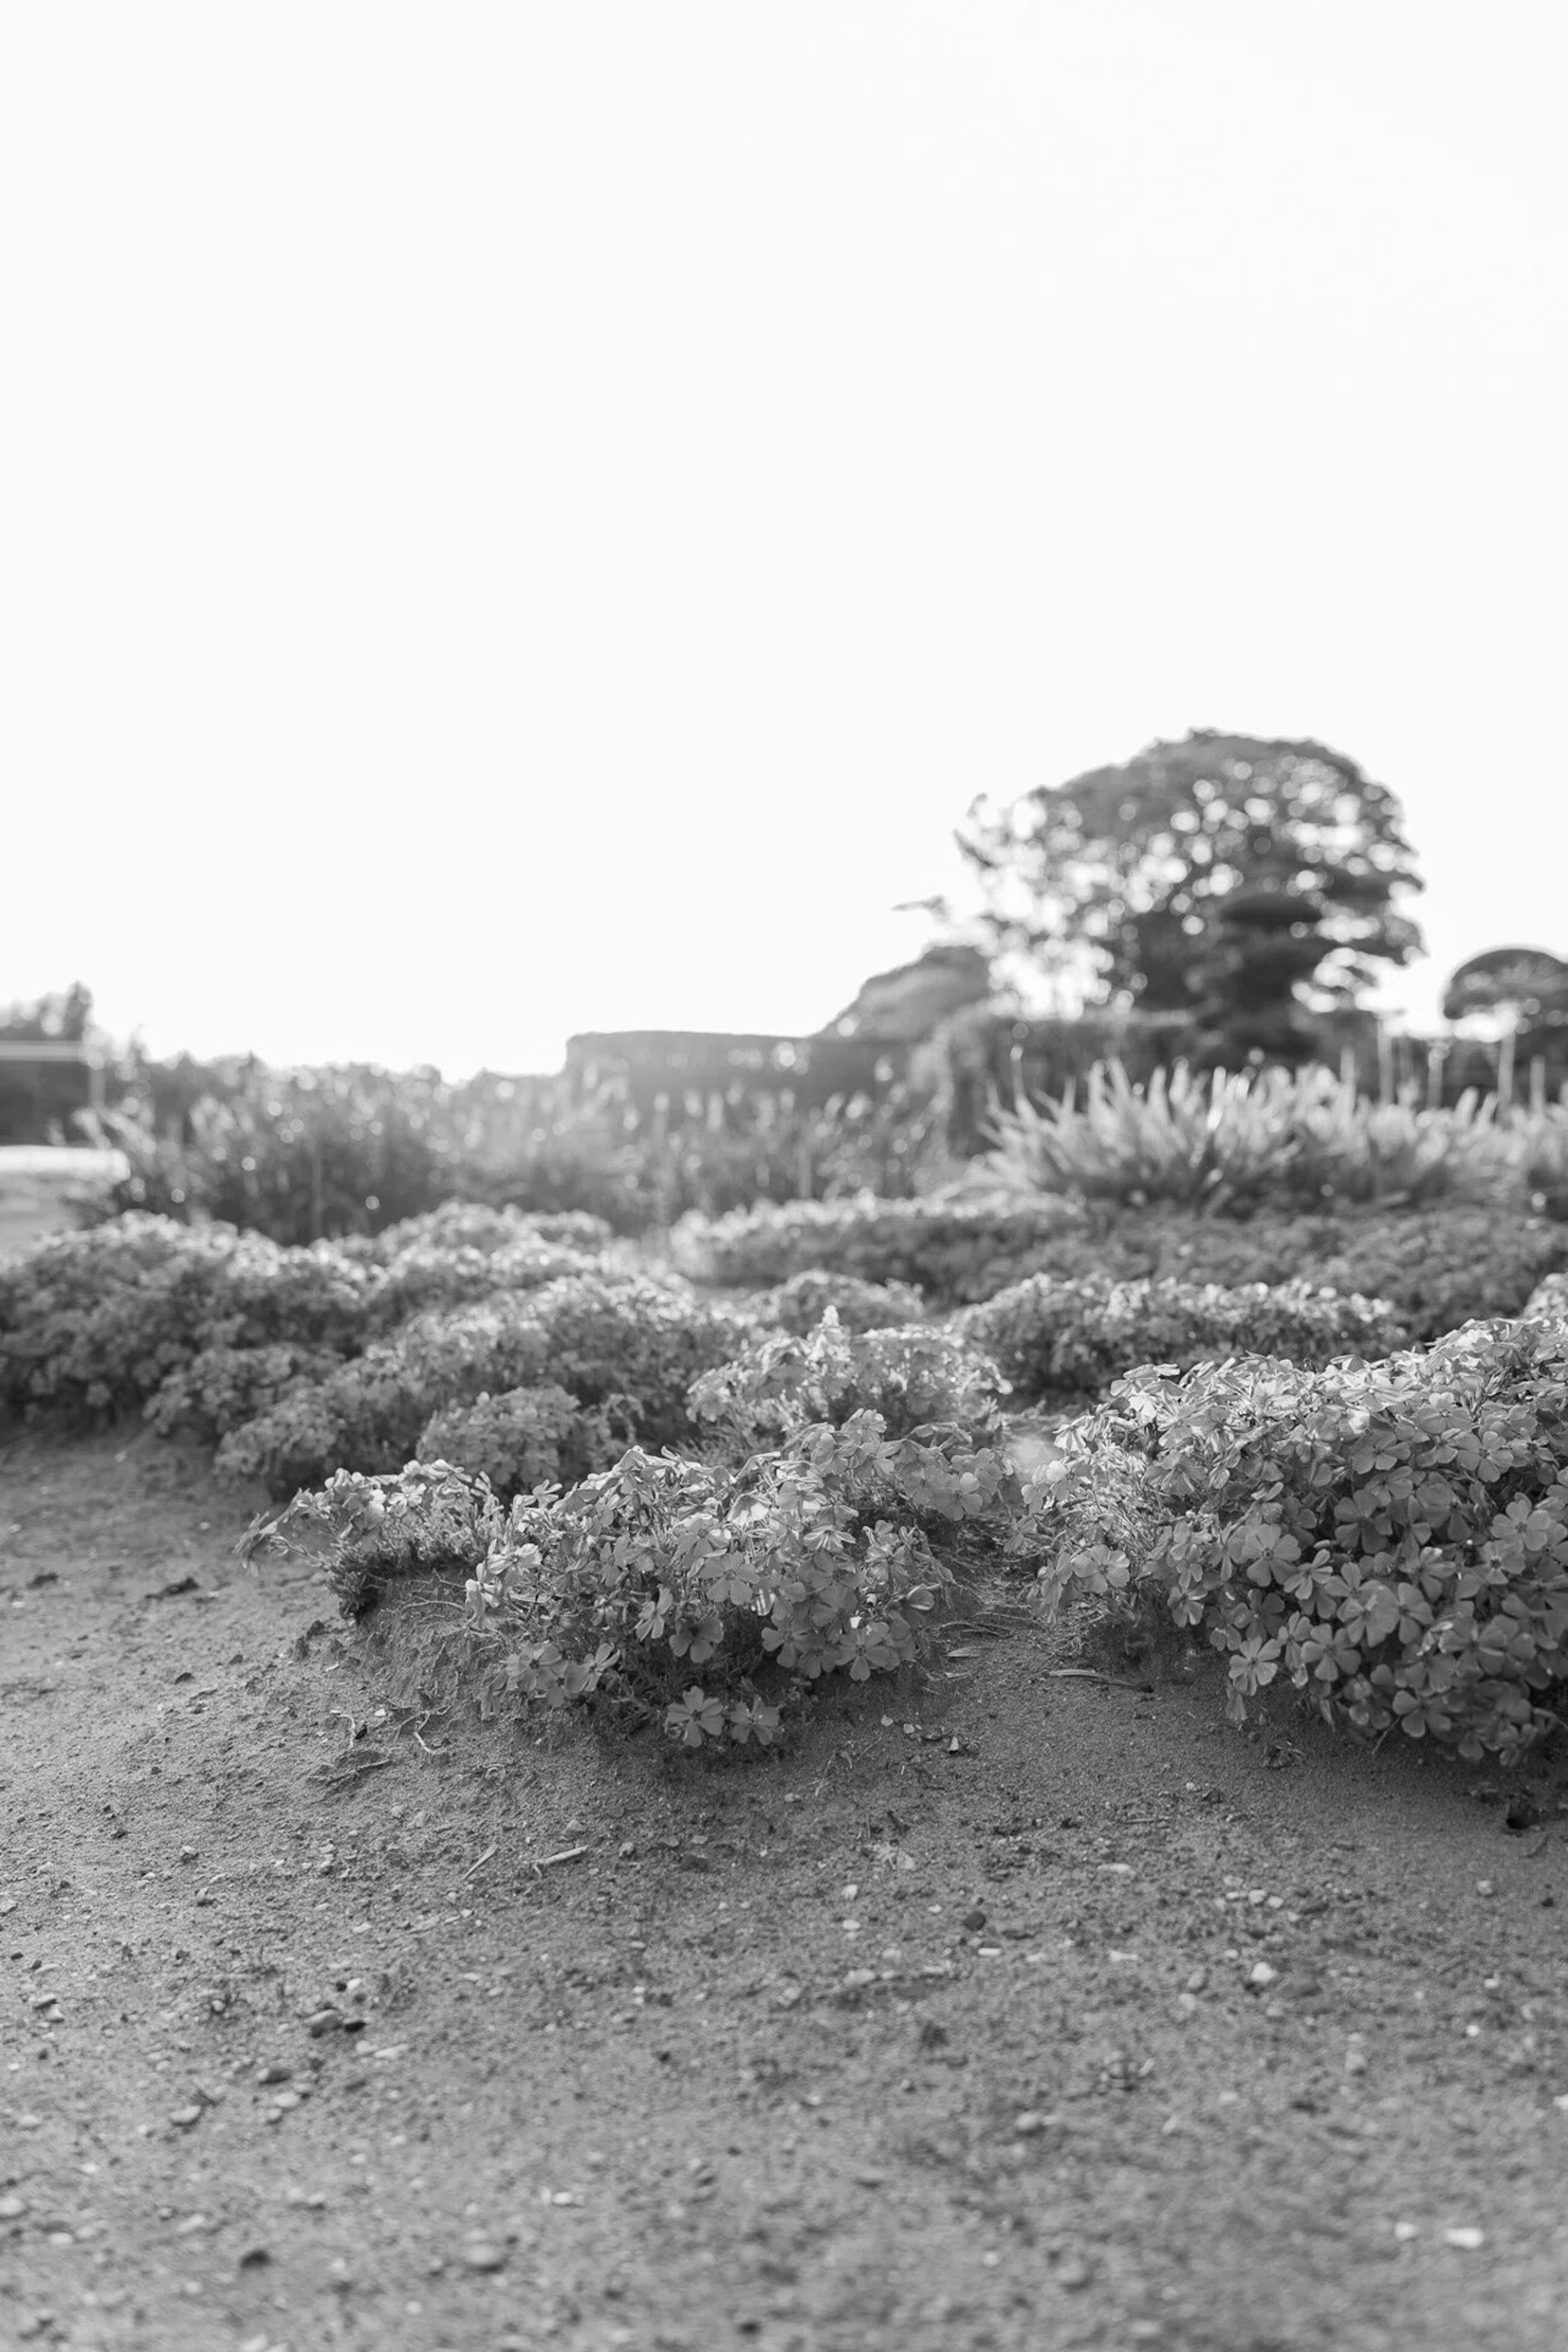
(1129, 870)
(1051, 1337)
(526, 1437)
(955, 1251)
(620, 1343)
(1302, 1139)
(706, 1598)
(1393, 1537)
(910, 1379)
(800, 1304)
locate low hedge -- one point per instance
(1049, 1337)
(613, 1341)
(954, 1250)
(1391, 1537)
(91, 1324)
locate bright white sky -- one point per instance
(527, 518)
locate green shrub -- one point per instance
(473, 1225)
(1549, 1298)
(367, 1415)
(1049, 1337)
(525, 1438)
(799, 1304)
(613, 1341)
(701, 1598)
(424, 1517)
(220, 1388)
(1390, 1537)
(633, 1340)
(91, 1324)
(955, 1251)
(1440, 1268)
(1436, 1267)
(910, 1379)
(1228, 1140)
(441, 1275)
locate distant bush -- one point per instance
(1439, 1268)
(909, 1379)
(635, 1342)
(1392, 1537)
(1549, 1298)
(1227, 1141)
(91, 1324)
(955, 1251)
(618, 1342)
(525, 1438)
(799, 1304)
(1049, 1335)
(471, 1226)
(436, 1275)
(221, 1388)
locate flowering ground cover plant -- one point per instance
(910, 1377)
(92, 1323)
(527, 1437)
(1392, 1538)
(617, 1342)
(705, 1597)
(800, 1304)
(1051, 1337)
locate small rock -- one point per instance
(274, 2073)
(974, 1920)
(187, 1853)
(322, 2020)
(1261, 1974)
(1197, 1980)
(1073, 2272)
(1466, 2240)
(255, 2258)
(1031, 2123)
(12, 2208)
(184, 2117)
(1355, 2056)
(1485, 1886)
(482, 2256)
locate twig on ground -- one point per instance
(548, 1861)
(1091, 1674)
(484, 1857)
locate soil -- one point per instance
(1032, 2008)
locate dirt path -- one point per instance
(750, 2068)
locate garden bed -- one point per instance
(1032, 2006)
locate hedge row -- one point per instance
(1438, 1267)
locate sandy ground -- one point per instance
(1026, 2011)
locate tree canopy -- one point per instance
(1528, 984)
(1164, 877)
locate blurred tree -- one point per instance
(1526, 987)
(64, 1018)
(1218, 875)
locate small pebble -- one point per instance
(974, 1920)
(1466, 2240)
(482, 2256)
(12, 2208)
